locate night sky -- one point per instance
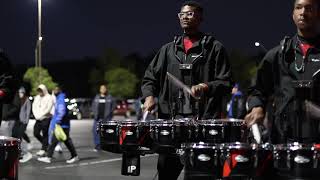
(73, 29)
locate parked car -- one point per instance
(79, 108)
(122, 108)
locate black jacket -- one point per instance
(275, 78)
(110, 106)
(7, 82)
(209, 65)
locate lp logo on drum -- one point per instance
(131, 169)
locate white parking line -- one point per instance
(91, 163)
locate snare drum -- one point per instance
(109, 136)
(9, 157)
(171, 133)
(297, 160)
(220, 130)
(201, 161)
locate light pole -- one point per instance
(39, 40)
(38, 48)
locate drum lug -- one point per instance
(276, 159)
(315, 159)
(157, 134)
(222, 133)
(288, 160)
(151, 132)
(172, 132)
(196, 131)
(255, 159)
(204, 131)
(215, 158)
(117, 130)
(137, 133)
(222, 157)
(191, 159)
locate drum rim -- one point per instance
(183, 120)
(144, 122)
(110, 123)
(294, 146)
(161, 121)
(235, 145)
(219, 121)
(9, 141)
(199, 145)
(266, 146)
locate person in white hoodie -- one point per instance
(41, 108)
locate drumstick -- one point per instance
(145, 114)
(256, 133)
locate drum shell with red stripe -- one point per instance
(247, 160)
(202, 161)
(134, 134)
(297, 160)
(9, 157)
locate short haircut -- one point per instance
(103, 84)
(317, 1)
(194, 4)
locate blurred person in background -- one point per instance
(60, 117)
(41, 108)
(237, 104)
(58, 146)
(20, 126)
(103, 106)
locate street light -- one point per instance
(258, 44)
(38, 49)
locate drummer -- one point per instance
(296, 58)
(298, 61)
(200, 62)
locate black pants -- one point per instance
(26, 137)
(18, 129)
(40, 131)
(169, 166)
(67, 142)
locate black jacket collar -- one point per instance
(180, 45)
(315, 42)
